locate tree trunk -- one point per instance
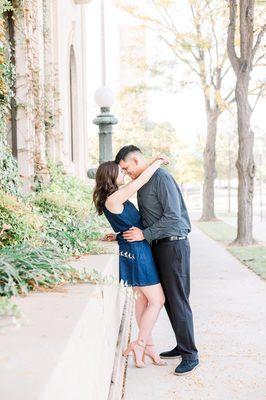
(209, 167)
(229, 176)
(245, 163)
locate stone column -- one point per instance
(30, 92)
(37, 69)
(54, 135)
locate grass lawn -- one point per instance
(252, 256)
(218, 230)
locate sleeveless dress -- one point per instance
(136, 264)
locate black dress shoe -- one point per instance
(171, 354)
(186, 366)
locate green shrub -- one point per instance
(24, 268)
(60, 214)
(68, 223)
(8, 308)
(18, 221)
(9, 177)
(71, 223)
(70, 186)
(60, 207)
(72, 237)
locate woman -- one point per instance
(136, 264)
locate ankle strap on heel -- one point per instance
(141, 343)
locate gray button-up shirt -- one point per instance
(162, 207)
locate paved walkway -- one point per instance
(228, 302)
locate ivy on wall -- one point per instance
(9, 179)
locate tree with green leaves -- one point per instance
(200, 45)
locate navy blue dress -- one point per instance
(136, 264)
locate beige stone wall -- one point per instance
(51, 87)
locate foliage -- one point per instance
(71, 223)
(73, 237)
(6, 68)
(199, 45)
(9, 179)
(24, 268)
(37, 231)
(18, 221)
(8, 308)
(59, 206)
(68, 185)
(60, 214)
(185, 163)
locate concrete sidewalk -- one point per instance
(228, 301)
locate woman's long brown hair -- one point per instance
(106, 177)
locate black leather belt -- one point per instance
(168, 239)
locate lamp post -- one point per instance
(104, 98)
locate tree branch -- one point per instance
(256, 63)
(170, 26)
(174, 50)
(262, 89)
(229, 94)
(213, 31)
(259, 38)
(235, 61)
(226, 71)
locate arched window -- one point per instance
(73, 104)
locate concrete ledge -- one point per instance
(120, 365)
(66, 345)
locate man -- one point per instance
(167, 224)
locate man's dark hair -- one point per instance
(124, 152)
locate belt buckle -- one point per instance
(173, 238)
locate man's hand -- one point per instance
(133, 235)
(109, 237)
(162, 157)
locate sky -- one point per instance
(184, 110)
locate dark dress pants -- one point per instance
(173, 264)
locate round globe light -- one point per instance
(104, 97)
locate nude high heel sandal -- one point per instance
(132, 348)
(156, 360)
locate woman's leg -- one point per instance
(141, 303)
(156, 299)
(149, 301)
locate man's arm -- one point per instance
(169, 198)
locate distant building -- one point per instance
(48, 118)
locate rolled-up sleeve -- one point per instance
(168, 197)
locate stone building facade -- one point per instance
(48, 119)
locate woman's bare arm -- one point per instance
(116, 200)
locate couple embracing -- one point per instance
(154, 251)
